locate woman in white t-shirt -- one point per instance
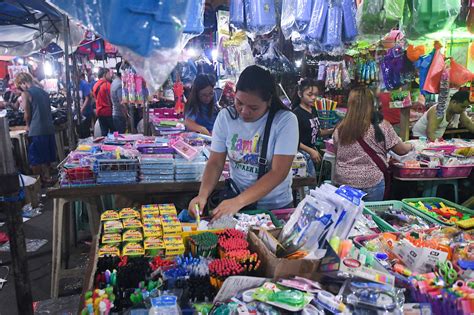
(433, 127)
(238, 133)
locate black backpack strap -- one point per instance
(262, 160)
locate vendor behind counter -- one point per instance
(433, 127)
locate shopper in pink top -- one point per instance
(362, 142)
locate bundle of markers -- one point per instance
(231, 233)
(203, 245)
(325, 104)
(247, 260)
(231, 244)
(220, 269)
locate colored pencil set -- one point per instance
(325, 104)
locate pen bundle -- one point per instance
(132, 272)
(322, 103)
(204, 245)
(231, 244)
(106, 278)
(144, 292)
(220, 269)
(157, 262)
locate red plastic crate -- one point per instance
(456, 171)
(415, 172)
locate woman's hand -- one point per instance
(226, 207)
(204, 131)
(315, 156)
(200, 201)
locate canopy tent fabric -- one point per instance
(26, 26)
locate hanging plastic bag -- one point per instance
(470, 18)
(303, 14)
(260, 16)
(429, 16)
(433, 77)
(379, 16)
(287, 23)
(195, 21)
(275, 61)
(318, 20)
(459, 75)
(423, 66)
(333, 37)
(349, 9)
(392, 67)
(237, 16)
(414, 53)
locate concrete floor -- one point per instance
(39, 264)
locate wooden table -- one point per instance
(63, 197)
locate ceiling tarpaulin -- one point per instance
(26, 26)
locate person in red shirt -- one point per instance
(103, 100)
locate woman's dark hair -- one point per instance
(257, 80)
(303, 85)
(201, 82)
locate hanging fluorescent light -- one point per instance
(298, 63)
(20, 61)
(214, 54)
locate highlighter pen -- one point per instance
(198, 214)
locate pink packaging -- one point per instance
(456, 171)
(185, 150)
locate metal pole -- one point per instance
(9, 188)
(70, 130)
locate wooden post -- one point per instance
(9, 187)
(70, 129)
(405, 123)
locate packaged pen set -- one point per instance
(325, 212)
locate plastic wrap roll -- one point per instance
(334, 26)
(303, 14)
(318, 20)
(349, 18)
(260, 16)
(237, 17)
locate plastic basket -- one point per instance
(327, 118)
(415, 172)
(381, 223)
(329, 146)
(399, 205)
(435, 200)
(455, 171)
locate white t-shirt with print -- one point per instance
(243, 141)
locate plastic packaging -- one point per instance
(459, 75)
(147, 33)
(334, 23)
(349, 31)
(428, 16)
(288, 17)
(164, 305)
(303, 14)
(237, 16)
(195, 21)
(318, 20)
(260, 16)
(379, 16)
(433, 78)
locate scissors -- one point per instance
(447, 272)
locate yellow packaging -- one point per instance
(168, 208)
(151, 218)
(132, 235)
(113, 226)
(154, 208)
(132, 223)
(133, 249)
(172, 228)
(128, 213)
(109, 215)
(112, 238)
(109, 250)
(154, 246)
(152, 229)
(173, 245)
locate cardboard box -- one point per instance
(276, 268)
(332, 266)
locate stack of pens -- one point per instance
(220, 269)
(204, 245)
(325, 104)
